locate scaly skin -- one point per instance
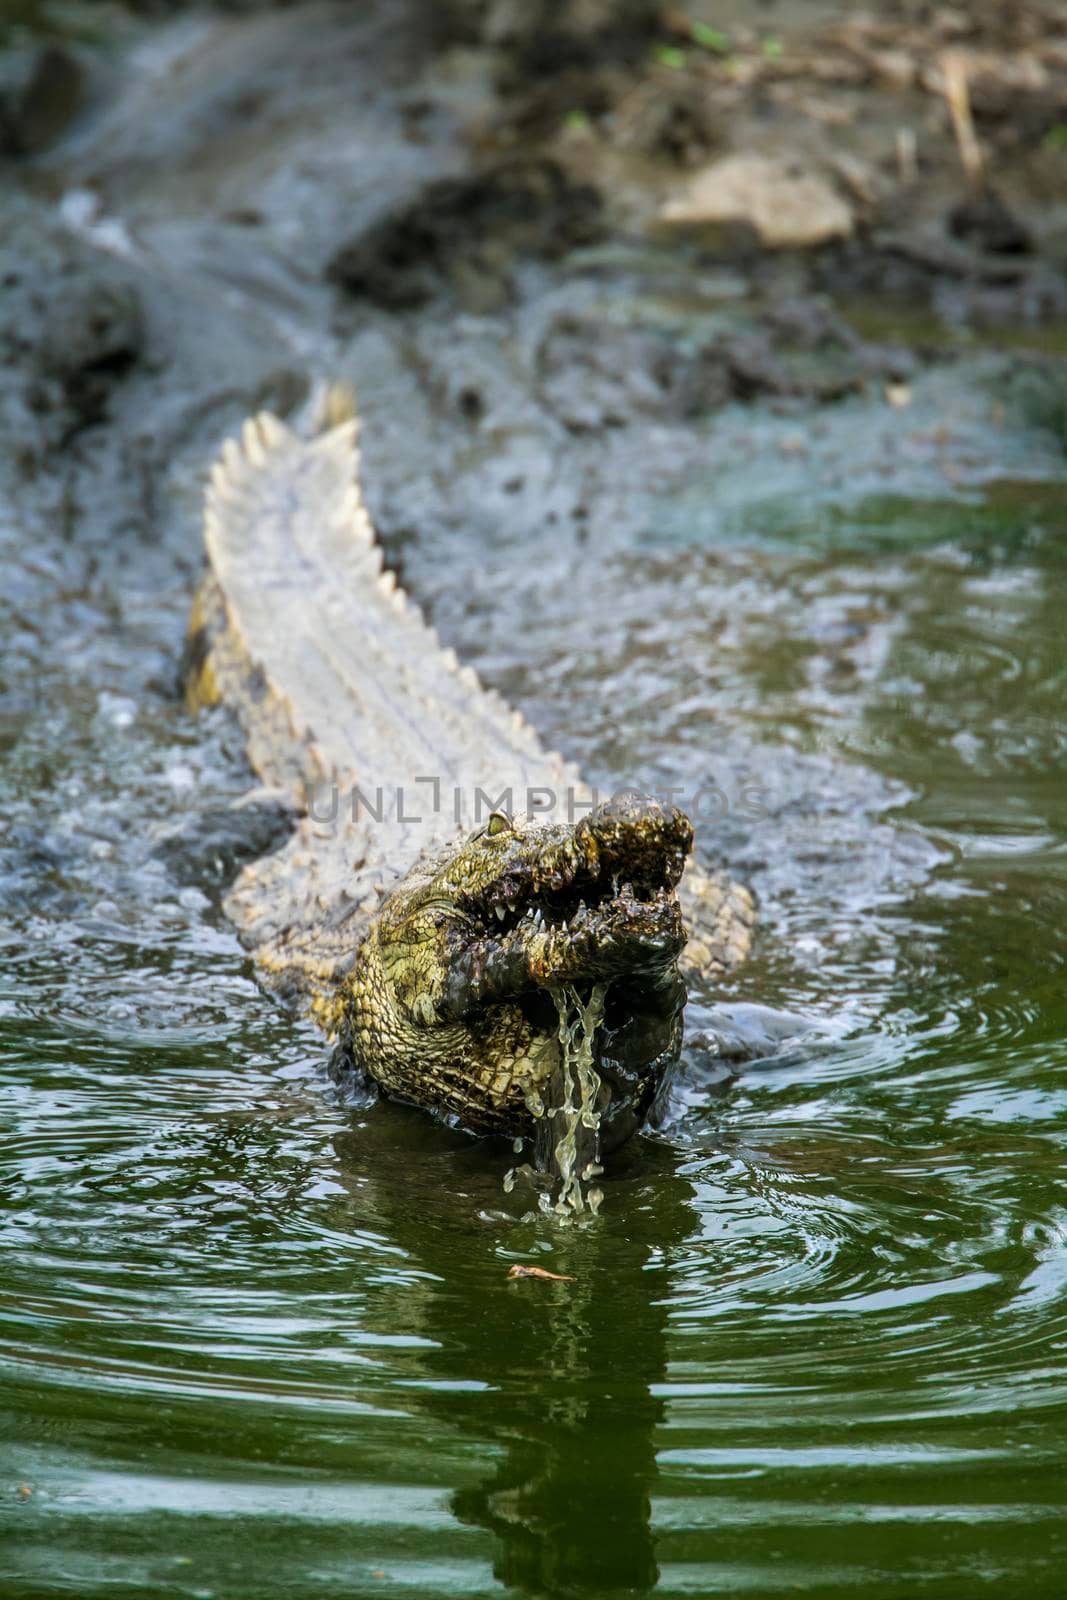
(446, 1004)
(427, 945)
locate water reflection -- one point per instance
(554, 1382)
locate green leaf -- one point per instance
(709, 38)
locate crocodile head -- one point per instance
(450, 1001)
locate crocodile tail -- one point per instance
(343, 691)
(284, 525)
(289, 541)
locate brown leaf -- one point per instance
(519, 1271)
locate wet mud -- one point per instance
(466, 235)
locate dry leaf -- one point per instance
(519, 1271)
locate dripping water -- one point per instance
(567, 1110)
(575, 1138)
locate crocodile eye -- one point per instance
(499, 822)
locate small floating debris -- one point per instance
(517, 1270)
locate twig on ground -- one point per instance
(957, 93)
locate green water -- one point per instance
(259, 1341)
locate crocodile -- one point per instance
(449, 877)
